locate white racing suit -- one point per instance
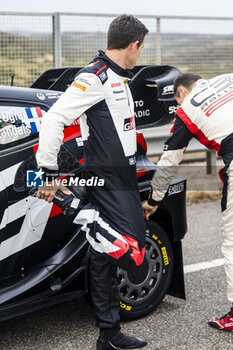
(207, 114)
(113, 220)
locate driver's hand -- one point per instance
(47, 192)
(148, 210)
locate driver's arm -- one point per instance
(85, 92)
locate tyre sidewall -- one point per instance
(130, 311)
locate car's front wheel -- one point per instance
(140, 297)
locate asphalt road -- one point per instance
(175, 325)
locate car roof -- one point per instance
(28, 95)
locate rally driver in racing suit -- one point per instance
(206, 112)
(113, 220)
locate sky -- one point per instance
(223, 8)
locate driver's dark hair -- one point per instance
(124, 30)
(186, 79)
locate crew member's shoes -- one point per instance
(119, 341)
(224, 323)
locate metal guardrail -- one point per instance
(155, 138)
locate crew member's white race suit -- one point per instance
(207, 114)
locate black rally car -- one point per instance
(43, 255)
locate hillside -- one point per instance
(27, 56)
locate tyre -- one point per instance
(139, 298)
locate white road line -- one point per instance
(203, 265)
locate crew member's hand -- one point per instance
(148, 209)
(47, 192)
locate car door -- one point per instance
(19, 127)
(31, 230)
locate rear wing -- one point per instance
(152, 90)
(151, 87)
(56, 79)
(60, 78)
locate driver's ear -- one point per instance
(180, 90)
(134, 45)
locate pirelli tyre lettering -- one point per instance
(141, 296)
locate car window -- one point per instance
(19, 123)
